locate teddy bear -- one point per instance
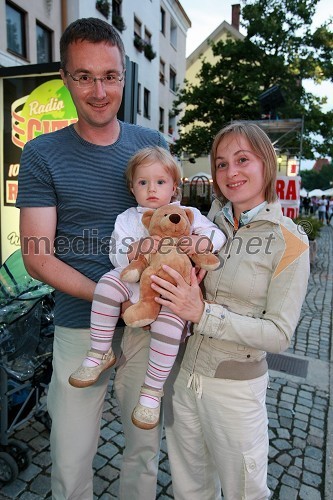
(171, 223)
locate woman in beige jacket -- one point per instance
(216, 418)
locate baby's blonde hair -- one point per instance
(152, 154)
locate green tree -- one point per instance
(312, 179)
(281, 49)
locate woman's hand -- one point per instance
(182, 299)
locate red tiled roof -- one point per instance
(320, 163)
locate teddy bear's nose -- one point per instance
(174, 218)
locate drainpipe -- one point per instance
(64, 21)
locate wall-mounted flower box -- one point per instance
(149, 53)
(118, 22)
(103, 6)
(139, 44)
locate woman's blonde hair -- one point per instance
(152, 154)
(261, 146)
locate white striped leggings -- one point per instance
(165, 331)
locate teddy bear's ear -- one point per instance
(147, 217)
(190, 215)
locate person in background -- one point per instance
(306, 204)
(301, 205)
(71, 189)
(215, 415)
(322, 204)
(327, 207)
(330, 209)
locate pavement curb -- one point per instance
(329, 433)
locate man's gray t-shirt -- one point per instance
(86, 183)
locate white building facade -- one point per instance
(153, 32)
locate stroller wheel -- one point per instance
(8, 468)
(20, 452)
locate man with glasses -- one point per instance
(71, 188)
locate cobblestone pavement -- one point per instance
(299, 408)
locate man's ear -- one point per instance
(190, 215)
(147, 217)
(63, 76)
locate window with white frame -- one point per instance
(146, 103)
(44, 44)
(139, 106)
(137, 27)
(172, 124)
(138, 42)
(173, 33)
(161, 121)
(173, 80)
(147, 36)
(16, 32)
(162, 18)
(162, 71)
(116, 7)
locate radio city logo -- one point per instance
(48, 108)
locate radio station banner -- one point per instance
(32, 105)
(288, 191)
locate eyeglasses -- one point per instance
(86, 81)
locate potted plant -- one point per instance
(103, 6)
(311, 227)
(118, 22)
(138, 43)
(149, 53)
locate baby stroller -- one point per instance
(26, 339)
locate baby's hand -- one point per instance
(149, 244)
(195, 244)
(144, 246)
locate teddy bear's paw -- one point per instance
(139, 323)
(211, 267)
(131, 276)
(207, 262)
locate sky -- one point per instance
(208, 15)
